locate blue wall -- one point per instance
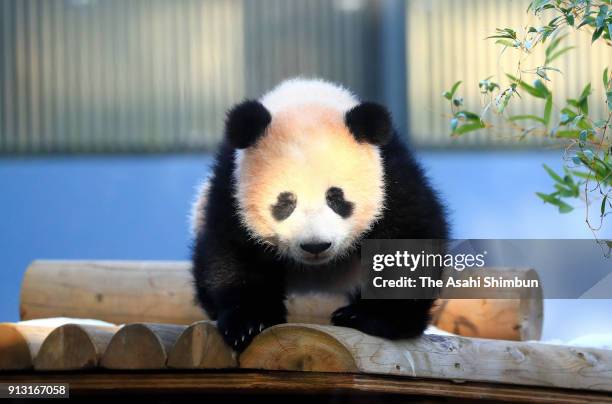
(135, 207)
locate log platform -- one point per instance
(282, 384)
(149, 354)
(329, 349)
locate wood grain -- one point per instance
(200, 346)
(162, 292)
(141, 346)
(74, 347)
(302, 383)
(298, 347)
(431, 356)
(508, 319)
(19, 344)
(115, 291)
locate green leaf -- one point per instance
(568, 134)
(553, 200)
(549, 59)
(586, 91)
(582, 103)
(506, 42)
(468, 127)
(603, 205)
(539, 90)
(527, 117)
(548, 109)
(537, 5)
(504, 98)
(564, 192)
(552, 174)
(596, 34)
(605, 77)
(470, 116)
(454, 88)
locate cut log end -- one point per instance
(14, 347)
(19, 344)
(200, 346)
(73, 347)
(141, 346)
(297, 347)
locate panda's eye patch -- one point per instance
(285, 204)
(335, 200)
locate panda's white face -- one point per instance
(307, 187)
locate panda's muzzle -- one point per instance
(315, 248)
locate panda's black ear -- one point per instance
(370, 122)
(245, 123)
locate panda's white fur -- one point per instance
(287, 103)
(196, 215)
(290, 93)
(301, 91)
(306, 150)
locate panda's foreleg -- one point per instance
(246, 313)
(244, 297)
(392, 319)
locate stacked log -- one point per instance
(162, 292)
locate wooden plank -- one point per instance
(141, 346)
(73, 347)
(338, 349)
(300, 383)
(200, 346)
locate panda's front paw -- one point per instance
(381, 320)
(239, 327)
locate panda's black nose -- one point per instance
(315, 248)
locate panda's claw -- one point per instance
(238, 327)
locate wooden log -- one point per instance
(201, 346)
(128, 292)
(298, 347)
(115, 291)
(338, 349)
(141, 346)
(20, 343)
(509, 319)
(73, 347)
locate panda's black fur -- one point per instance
(242, 285)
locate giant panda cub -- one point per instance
(303, 175)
